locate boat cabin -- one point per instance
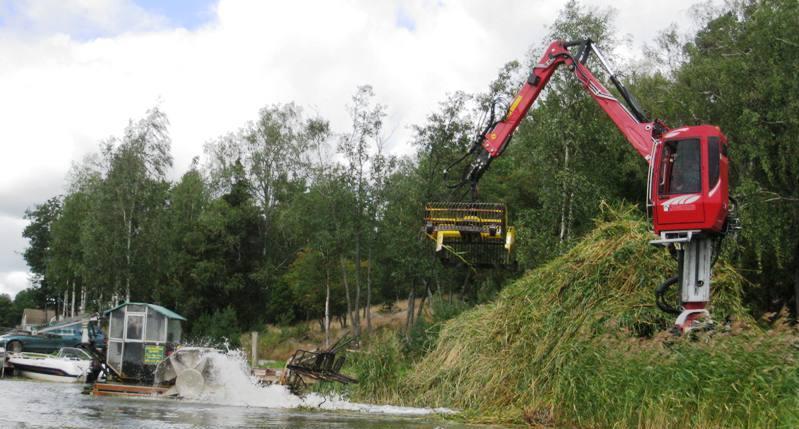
(140, 335)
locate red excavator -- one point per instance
(687, 190)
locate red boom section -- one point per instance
(638, 134)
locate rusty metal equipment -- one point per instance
(472, 233)
(320, 365)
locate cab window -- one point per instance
(713, 161)
(680, 168)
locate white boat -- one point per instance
(70, 365)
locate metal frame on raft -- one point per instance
(320, 365)
(472, 233)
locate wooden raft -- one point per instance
(113, 389)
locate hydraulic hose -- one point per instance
(660, 295)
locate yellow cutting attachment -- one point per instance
(476, 234)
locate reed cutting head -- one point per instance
(475, 234)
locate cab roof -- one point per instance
(164, 311)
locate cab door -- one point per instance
(680, 183)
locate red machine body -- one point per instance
(676, 205)
(683, 197)
(687, 189)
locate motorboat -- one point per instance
(70, 365)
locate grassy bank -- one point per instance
(279, 342)
(578, 342)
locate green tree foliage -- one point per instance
(367, 122)
(65, 267)
(8, 315)
(568, 154)
(319, 220)
(228, 256)
(188, 199)
(28, 298)
(39, 251)
(127, 187)
(749, 90)
(740, 72)
(218, 328)
(38, 233)
(287, 219)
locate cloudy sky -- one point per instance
(73, 72)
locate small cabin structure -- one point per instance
(33, 318)
(140, 335)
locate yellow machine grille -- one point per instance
(475, 234)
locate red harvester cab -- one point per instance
(686, 198)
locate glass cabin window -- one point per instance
(117, 323)
(713, 160)
(681, 172)
(174, 331)
(135, 327)
(155, 326)
(115, 355)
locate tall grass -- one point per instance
(579, 342)
(379, 368)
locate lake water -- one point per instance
(237, 402)
(33, 404)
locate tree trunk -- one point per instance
(128, 257)
(327, 306)
(409, 316)
(465, 283)
(564, 194)
(346, 290)
(570, 217)
(117, 291)
(796, 284)
(369, 293)
(430, 299)
(356, 321)
(424, 297)
(72, 306)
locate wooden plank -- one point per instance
(126, 389)
(128, 394)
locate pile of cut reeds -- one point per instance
(579, 342)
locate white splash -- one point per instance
(231, 383)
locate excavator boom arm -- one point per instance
(687, 186)
(630, 119)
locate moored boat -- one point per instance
(70, 365)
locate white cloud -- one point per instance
(12, 244)
(82, 18)
(14, 281)
(62, 92)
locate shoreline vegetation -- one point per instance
(287, 219)
(578, 342)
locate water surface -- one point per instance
(33, 404)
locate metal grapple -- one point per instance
(475, 234)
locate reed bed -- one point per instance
(578, 342)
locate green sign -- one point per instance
(153, 354)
